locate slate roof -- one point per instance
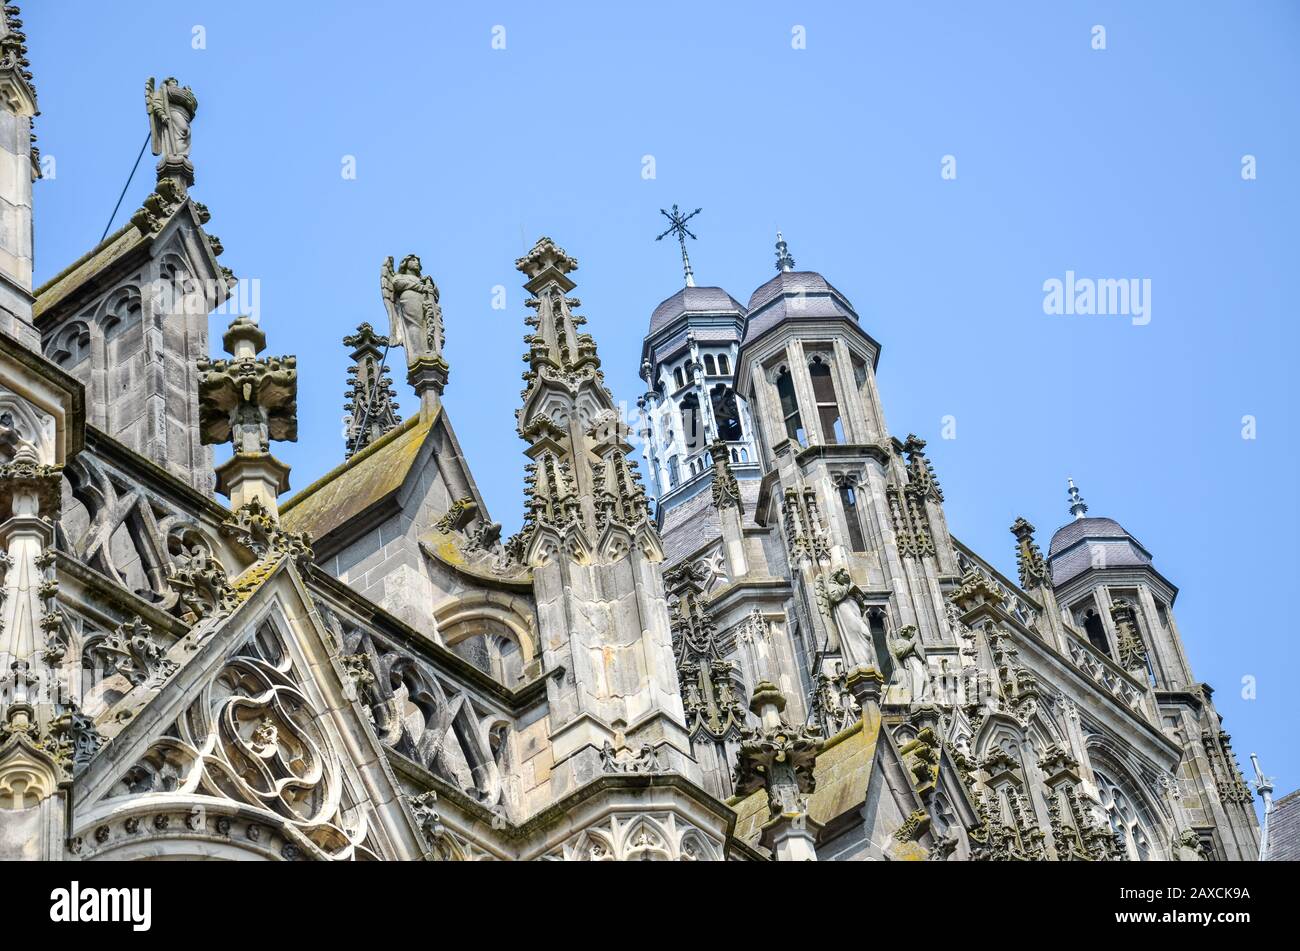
(795, 295)
(359, 484)
(695, 300)
(694, 522)
(1079, 544)
(1284, 829)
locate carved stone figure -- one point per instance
(171, 109)
(909, 668)
(852, 633)
(411, 299)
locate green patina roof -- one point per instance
(362, 482)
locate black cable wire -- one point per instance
(124, 188)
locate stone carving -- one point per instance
(910, 672)
(132, 651)
(921, 756)
(709, 684)
(244, 400)
(833, 704)
(913, 532)
(1029, 558)
(639, 837)
(624, 760)
(1128, 637)
(726, 490)
(414, 315)
(776, 756)
(1188, 847)
(254, 527)
(846, 605)
(370, 406)
(171, 108)
(253, 736)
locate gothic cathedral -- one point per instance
(752, 637)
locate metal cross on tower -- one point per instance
(677, 226)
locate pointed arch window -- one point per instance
(1096, 631)
(726, 412)
(790, 406)
(852, 518)
(828, 409)
(692, 423)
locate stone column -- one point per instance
(249, 402)
(18, 170)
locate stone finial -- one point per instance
(370, 405)
(776, 756)
(17, 90)
(726, 490)
(1128, 638)
(784, 261)
(779, 758)
(1078, 508)
(248, 402)
(1029, 557)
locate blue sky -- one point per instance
(1118, 163)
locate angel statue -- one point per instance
(851, 634)
(171, 110)
(411, 299)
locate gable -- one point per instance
(250, 749)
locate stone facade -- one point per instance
(783, 655)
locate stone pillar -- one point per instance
(18, 170)
(779, 758)
(731, 510)
(248, 402)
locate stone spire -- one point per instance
(19, 158)
(592, 548)
(784, 262)
(1078, 508)
(1029, 557)
(714, 710)
(248, 402)
(370, 406)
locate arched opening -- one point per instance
(1125, 817)
(679, 377)
(828, 410)
(724, 365)
(790, 406)
(710, 367)
(1096, 631)
(849, 505)
(692, 423)
(726, 413)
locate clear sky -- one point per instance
(1117, 163)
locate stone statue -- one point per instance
(910, 671)
(411, 299)
(851, 634)
(171, 110)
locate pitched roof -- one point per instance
(360, 483)
(1284, 829)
